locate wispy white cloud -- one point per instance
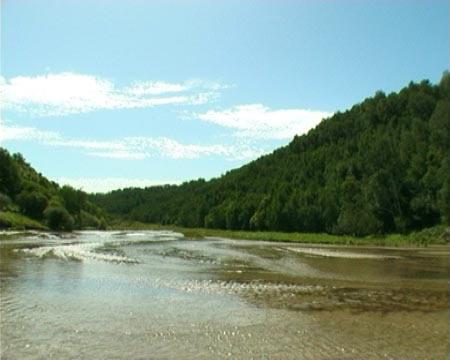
(176, 150)
(119, 154)
(257, 121)
(154, 88)
(130, 148)
(8, 132)
(141, 88)
(69, 93)
(96, 185)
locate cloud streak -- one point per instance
(130, 148)
(71, 93)
(256, 121)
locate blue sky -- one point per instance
(105, 93)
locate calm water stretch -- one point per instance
(158, 295)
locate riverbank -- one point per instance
(436, 235)
(14, 221)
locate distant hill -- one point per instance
(29, 200)
(380, 167)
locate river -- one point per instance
(158, 295)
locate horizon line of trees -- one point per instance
(380, 167)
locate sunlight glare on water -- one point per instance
(158, 295)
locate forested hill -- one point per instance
(380, 167)
(29, 200)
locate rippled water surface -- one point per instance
(158, 295)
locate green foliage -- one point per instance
(89, 221)
(216, 219)
(23, 189)
(74, 200)
(10, 219)
(58, 218)
(380, 167)
(32, 203)
(356, 217)
(5, 202)
(9, 174)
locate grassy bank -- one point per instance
(16, 221)
(435, 235)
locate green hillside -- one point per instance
(380, 167)
(29, 200)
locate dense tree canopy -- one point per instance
(381, 166)
(9, 174)
(24, 190)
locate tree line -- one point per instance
(23, 190)
(380, 167)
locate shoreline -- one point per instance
(431, 236)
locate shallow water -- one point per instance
(158, 295)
